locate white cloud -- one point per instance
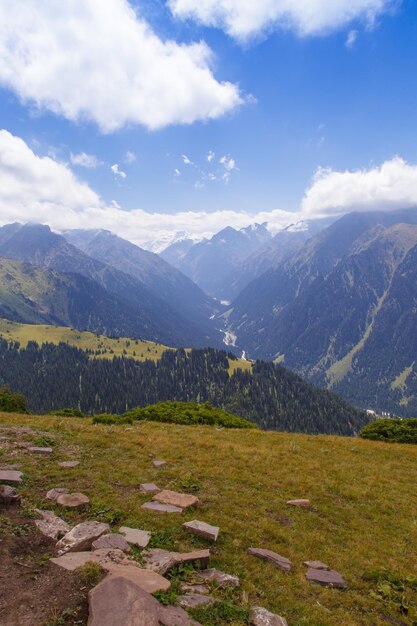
(351, 38)
(228, 163)
(243, 19)
(392, 185)
(84, 160)
(130, 157)
(99, 61)
(186, 160)
(117, 171)
(177, 172)
(210, 156)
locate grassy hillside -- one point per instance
(99, 346)
(363, 517)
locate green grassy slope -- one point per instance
(363, 496)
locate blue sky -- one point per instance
(318, 115)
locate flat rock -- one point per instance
(156, 463)
(37, 450)
(53, 494)
(201, 529)
(51, 525)
(329, 578)
(136, 537)
(162, 561)
(161, 508)
(221, 579)
(192, 600)
(175, 616)
(72, 560)
(272, 557)
(306, 504)
(77, 501)
(8, 495)
(82, 536)
(195, 588)
(69, 464)
(10, 476)
(181, 500)
(316, 565)
(259, 616)
(149, 488)
(112, 541)
(145, 579)
(117, 601)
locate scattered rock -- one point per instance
(325, 578)
(51, 525)
(149, 488)
(37, 450)
(201, 529)
(192, 600)
(272, 557)
(136, 537)
(316, 565)
(161, 508)
(82, 536)
(181, 500)
(162, 561)
(259, 616)
(117, 600)
(77, 501)
(220, 578)
(69, 464)
(10, 476)
(175, 616)
(112, 541)
(158, 463)
(10, 466)
(145, 579)
(190, 588)
(73, 560)
(53, 494)
(8, 495)
(303, 503)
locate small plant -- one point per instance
(189, 484)
(165, 538)
(43, 442)
(70, 412)
(60, 618)
(394, 590)
(90, 573)
(220, 613)
(102, 513)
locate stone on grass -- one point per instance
(161, 508)
(192, 600)
(69, 464)
(149, 488)
(158, 463)
(162, 561)
(181, 500)
(51, 525)
(175, 616)
(272, 557)
(145, 579)
(8, 495)
(10, 476)
(37, 450)
(194, 588)
(136, 537)
(306, 504)
(73, 560)
(259, 616)
(53, 494)
(77, 501)
(221, 579)
(316, 565)
(326, 578)
(117, 600)
(112, 541)
(82, 536)
(201, 529)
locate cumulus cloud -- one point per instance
(245, 19)
(210, 156)
(130, 157)
(117, 171)
(101, 62)
(84, 160)
(228, 163)
(392, 185)
(186, 160)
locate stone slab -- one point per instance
(72, 560)
(10, 476)
(306, 504)
(181, 500)
(69, 464)
(149, 488)
(326, 578)
(175, 616)
(112, 541)
(316, 565)
(9, 495)
(192, 600)
(162, 561)
(75, 501)
(156, 463)
(161, 508)
(136, 537)
(201, 529)
(221, 579)
(275, 559)
(145, 579)
(259, 616)
(36, 450)
(82, 536)
(53, 494)
(51, 525)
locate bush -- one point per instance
(12, 402)
(67, 413)
(392, 430)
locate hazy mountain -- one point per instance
(330, 308)
(163, 280)
(210, 262)
(36, 244)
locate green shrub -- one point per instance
(393, 430)
(67, 413)
(12, 402)
(107, 418)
